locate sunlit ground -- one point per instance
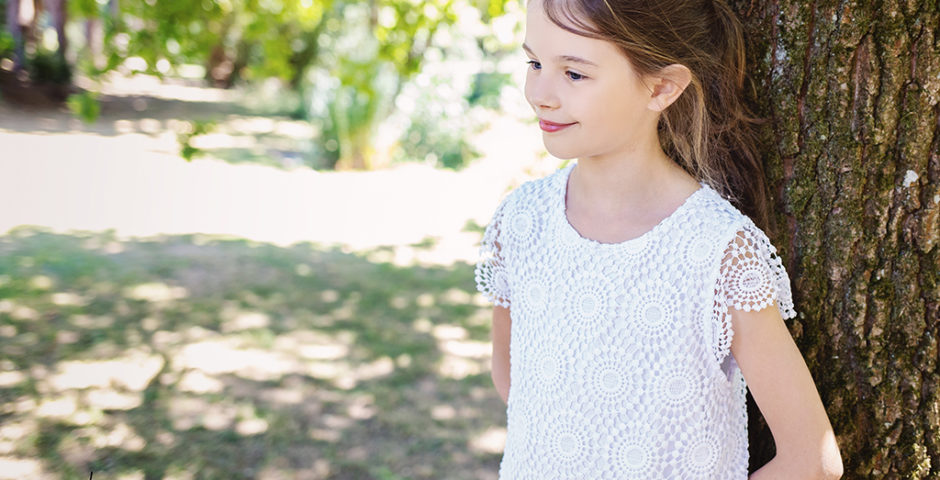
(235, 317)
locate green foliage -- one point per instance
(83, 8)
(196, 128)
(6, 42)
(486, 89)
(85, 106)
(491, 8)
(349, 60)
(371, 54)
(49, 67)
(434, 142)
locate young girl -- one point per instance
(633, 297)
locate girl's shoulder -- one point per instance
(715, 221)
(714, 212)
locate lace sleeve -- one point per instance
(751, 278)
(491, 275)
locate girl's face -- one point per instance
(589, 99)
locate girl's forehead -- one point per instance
(543, 37)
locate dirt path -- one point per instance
(124, 173)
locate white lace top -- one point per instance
(620, 360)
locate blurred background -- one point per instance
(237, 237)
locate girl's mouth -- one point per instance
(550, 127)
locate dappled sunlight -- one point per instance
(225, 356)
(234, 319)
(444, 332)
(8, 379)
(7, 331)
(108, 399)
(333, 428)
(196, 381)
(121, 436)
(18, 312)
(314, 345)
(375, 369)
(186, 412)
(361, 407)
(134, 475)
(132, 371)
(466, 349)
(458, 368)
(61, 407)
(490, 441)
(15, 468)
(69, 299)
(443, 412)
(155, 292)
(323, 352)
(13, 432)
(251, 426)
(41, 282)
(283, 396)
(425, 300)
(91, 321)
(461, 357)
(307, 360)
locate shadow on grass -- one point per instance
(199, 357)
(252, 131)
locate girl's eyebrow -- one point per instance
(567, 58)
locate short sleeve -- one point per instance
(491, 274)
(751, 278)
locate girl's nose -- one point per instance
(540, 94)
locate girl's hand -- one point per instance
(783, 389)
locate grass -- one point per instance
(213, 358)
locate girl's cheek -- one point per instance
(529, 88)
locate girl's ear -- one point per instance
(667, 85)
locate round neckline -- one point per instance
(631, 242)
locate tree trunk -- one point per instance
(13, 26)
(851, 92)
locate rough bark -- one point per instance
(851, 94)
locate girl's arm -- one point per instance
(783, 389)
(501, 324)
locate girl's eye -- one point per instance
(574, 75)
(534, 65)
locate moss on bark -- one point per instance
(851, 92)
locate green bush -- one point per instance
(438, 140)
(49, 67)
(6, 42)
(196, 128)
(84, 106)
(486, 89)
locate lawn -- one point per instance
(194, 356)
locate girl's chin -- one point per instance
(560, 152)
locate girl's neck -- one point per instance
(636, 179)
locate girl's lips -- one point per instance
(552, 126)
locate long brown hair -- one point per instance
(708, 130)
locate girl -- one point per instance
(633, 297)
